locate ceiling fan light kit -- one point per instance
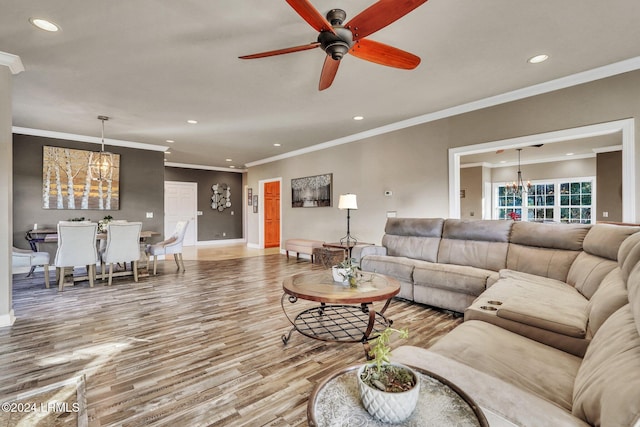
(337, 39)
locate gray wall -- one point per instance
(141, 187)
(212, 224)
(550, 170)
(471, 183)
(609, 190)
(413, 162)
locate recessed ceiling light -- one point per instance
(503, 161)
(358, 118)
(538, 59)
(167, 152)
(43, 24)
(277, 145)
(170, 141)
(228, 160)
(232, 167)
(192, 122)
(570, 154)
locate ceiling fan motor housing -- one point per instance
(336, 45)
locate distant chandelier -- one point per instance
(518, 187)
(101, 163)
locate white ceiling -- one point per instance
(150, 65)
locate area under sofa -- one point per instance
(550, 334)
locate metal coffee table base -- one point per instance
(341, 323)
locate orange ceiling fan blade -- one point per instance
(310, 14)
(383, 54)
(282, 51)
(379, 15)
(329, 70)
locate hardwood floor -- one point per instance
(195, 348)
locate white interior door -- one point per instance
(181, 204)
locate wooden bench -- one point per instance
(302, 246)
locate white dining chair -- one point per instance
(172, 245)
(31, 259)
(123, 245)
(76, 247)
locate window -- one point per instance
(561, 200)
(575, 202)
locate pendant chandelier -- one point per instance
(518, 187)
(101, 163)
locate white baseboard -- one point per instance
(225, 242)
(7, 319)
(253, 246)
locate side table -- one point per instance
(328, 257)
(335, 401)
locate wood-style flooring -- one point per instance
(195, 348)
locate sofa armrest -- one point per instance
(359, 252)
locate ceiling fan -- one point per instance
(337, 39)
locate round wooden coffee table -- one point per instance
(345, 313)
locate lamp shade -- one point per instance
(347, 201)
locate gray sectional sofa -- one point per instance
(551, 335)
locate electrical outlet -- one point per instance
(605, 214)
(224, 234)
(149, 214)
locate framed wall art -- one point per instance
(312, 191)
(249, 196)
(68, 181)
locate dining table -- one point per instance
(50, 235)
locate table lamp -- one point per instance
(348, 202)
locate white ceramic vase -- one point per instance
(340, 274)
(389, 407)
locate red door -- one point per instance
(272, 214)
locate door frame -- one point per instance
(261, 210)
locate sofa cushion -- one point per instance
(482, 244)
(419, 227)
(458, 278)
(527, 364)
(483, 230)
(587, 271)
(565, 319)
(545, 262)
(629, 254)
(610, 296)
(567, 308)
(554, 236)
(422, 248)
(604, 240)
(607, 385)
(399, 267)
(502, 403)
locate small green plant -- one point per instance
(380, 374)
(349, 270)
(381, 351)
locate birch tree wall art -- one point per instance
(67, 181)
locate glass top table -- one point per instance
(335, 401)
(345, 313)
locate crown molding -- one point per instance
(89, 139)
(605, 71)
(608, 149)
(211, 168)
(12, 61)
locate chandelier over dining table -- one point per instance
(101, 163)
(518, 187)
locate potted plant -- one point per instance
(346, 272)
(389, 391)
